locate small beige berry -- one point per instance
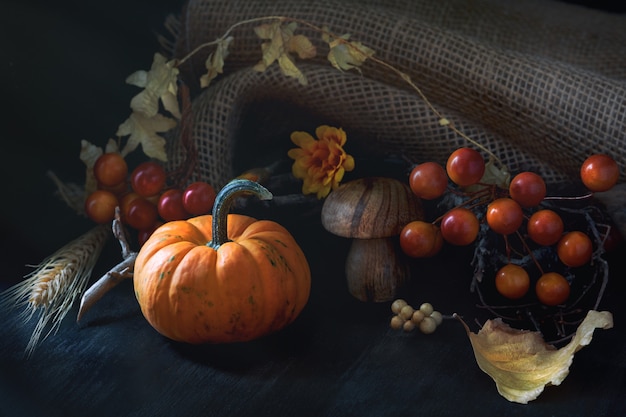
(396, 322)
(406, 312)
(427, 309)
(428, 325)
(397, 305)
(417, 316)
(408, 326)
(437, 316)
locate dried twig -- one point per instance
(487, 257)
(115, 275)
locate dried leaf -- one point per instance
(494, 175)
(89, 153)
(301, 45)
(345, 55)
(274, 32)
(158, 83)
(521, 363)
(215, 62)
(143, 130)
(281, 43)
(111, 146)
(289, 68)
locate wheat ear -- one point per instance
(55, 284)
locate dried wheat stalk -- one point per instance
(55, 284)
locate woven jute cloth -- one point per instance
(541, 84)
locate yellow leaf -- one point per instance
(521, 363)
(143, 130)
(281, 42)
(301, 45)
(345, 55)
(215, 62)
(288, 68)
(111, 146)
(158, 83)
(494, 175)
(275, 47)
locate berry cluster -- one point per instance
(518, 210)
(144, 198)
(407, 318)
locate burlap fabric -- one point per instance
(542, 84)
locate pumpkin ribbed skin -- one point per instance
(253, 285)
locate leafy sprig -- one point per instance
(156, 109)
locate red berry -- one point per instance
(465, 166)
(141, 214)
(528, 189)
(110, 169)
(459, 226)
(504, 216)
(512, 281)
(552, 289)
(599, 172)
(428, 180)
(198, 198)
(100, 206)
(170, 205)
(545, 227)
(419, 239)
(575, 248)
(148, 179)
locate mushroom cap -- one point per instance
(372, 207)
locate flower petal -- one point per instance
(302, 139)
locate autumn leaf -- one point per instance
(345, 55)
(521, 363)
(215, 61)
(158, 84)
(289, 68)
(89, 153)
(302, 46)
(495, 175)
(281, 43)
(143, 130)
(73, 194)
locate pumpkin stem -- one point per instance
(223, 202)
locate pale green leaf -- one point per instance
(301, 45)
(89, 153)
(142, 130)
(111, 146)
(215, 62)
(158, 83)
(345, 55)
(289, 68)
(281, 42)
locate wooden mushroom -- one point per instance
(372, 211)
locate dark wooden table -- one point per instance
(66, 65)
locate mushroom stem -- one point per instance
(375, 269)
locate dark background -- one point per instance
(63, 71)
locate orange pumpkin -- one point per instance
(222, 277)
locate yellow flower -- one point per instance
(321, 163)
